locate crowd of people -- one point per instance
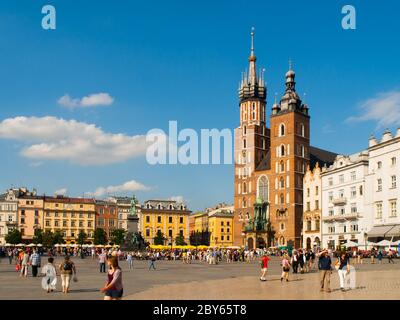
(295, 261)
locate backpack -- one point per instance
(67, 266)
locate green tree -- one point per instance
(118, 236)
(38, 237)
(14, 237)
(100, 236)
(82, 236)
(180, 240)
(58, 237)
(159, 238)
(47, 239)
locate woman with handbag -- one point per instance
(285, 268)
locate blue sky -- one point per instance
(182, 60)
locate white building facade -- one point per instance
(8, 213)
(383, 187)
(344, 214)
(312, 202)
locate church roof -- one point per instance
(316, 155)
(321, 156)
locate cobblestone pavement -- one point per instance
(176, 280)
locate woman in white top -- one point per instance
(24, 264)
(49, 281)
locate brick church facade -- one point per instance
(270, 162)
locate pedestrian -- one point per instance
(102, 261)
(295, 261)
(373, 256)
(35, 263)
(24, 264)
(325, 271)
(380, 255)
(343, 269)
(49, 281)
(264, 267)
(129, 259)
(152, 261)
(68, 270)
(285, 268)
(113, 290)
(10, 255)
(390, 256)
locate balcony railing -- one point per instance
(343, 217)
(339, 201)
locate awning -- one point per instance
(380, 231)
(394, 232)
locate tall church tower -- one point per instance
(251, 143)
(290, 155)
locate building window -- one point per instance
(282, 130)
(308, 192)
(330, 196)
(282, 226)
(353, 192)
(379, 164)
(244, 187)
(47, 214)
(72, 223)
(330, 181)
(282, 166)
(354, 228)
(309, 225)
(317, 223)
(263, 188)
(80, 224)
(394, 182)
(147, 219)
(89, 224)
(393, 160)
(181, 233)
(341, 178)
(308, 206)
(244, 144)
(147, 232)
(282, 183)
(302, 130)
(244, 130)
(56, 223)
(170, 233)
(316, 190)
(331, 212)
(393, 208)
(64, 224)
(353, 175)
(159, 219)
(378, 210)
(316, 204)
(222, 238)
(353, 208)
(342, 210)
(341, 193)
(282, 199)
(331, 229)
(180, 219)
(222, 230)
(47, 223)
(282, 150)
(379, 182)
(169, 219)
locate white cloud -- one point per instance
(384, 108)
(129, 186)
(51, 138)
(96, 99)
(61, 192)
(178, 199)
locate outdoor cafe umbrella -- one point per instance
(20, 245)
(8, 245)
(39, 245)
(383, 243)
(351, 244)
(31, 245)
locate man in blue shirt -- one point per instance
(35, 263)
(325, 271)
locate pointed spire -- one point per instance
(252, 42)
(290, 64)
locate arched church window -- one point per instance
(244, 187)
(281, 130)
(302, 130)
(282, 198)
(282, 166)
(244, 144)
(282, 150)
(263, 188)
(282, 183)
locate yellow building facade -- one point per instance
(221, 227)
(167, 216)
(70, 216)
(30, 215)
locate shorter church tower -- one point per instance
(290, 156)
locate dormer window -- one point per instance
(182, 207)
(148, 206)
(171, 207)
(159, 206)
